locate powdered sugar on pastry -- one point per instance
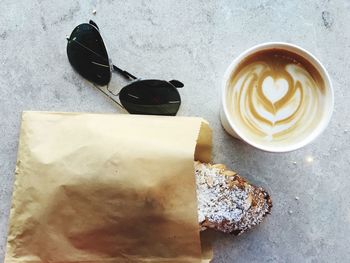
(226, 201)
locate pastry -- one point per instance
(227, 202)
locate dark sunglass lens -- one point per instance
(87, 54)
(153, 97)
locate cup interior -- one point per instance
(328, 105)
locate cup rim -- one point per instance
(312, 59)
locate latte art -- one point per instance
(275, 96)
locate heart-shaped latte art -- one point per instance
(272, 100)
(274, 89)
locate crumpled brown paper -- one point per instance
(106, 188)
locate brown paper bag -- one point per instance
(106, 188)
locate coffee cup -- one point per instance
(277, 97)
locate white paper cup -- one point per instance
(229, 125)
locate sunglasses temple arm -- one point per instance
(123, 72)
(109, 96)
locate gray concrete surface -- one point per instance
(194, 41)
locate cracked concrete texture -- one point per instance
(194, 41)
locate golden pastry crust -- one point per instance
(226, 201)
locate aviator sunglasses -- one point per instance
(88, 56)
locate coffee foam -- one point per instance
(275, 97)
